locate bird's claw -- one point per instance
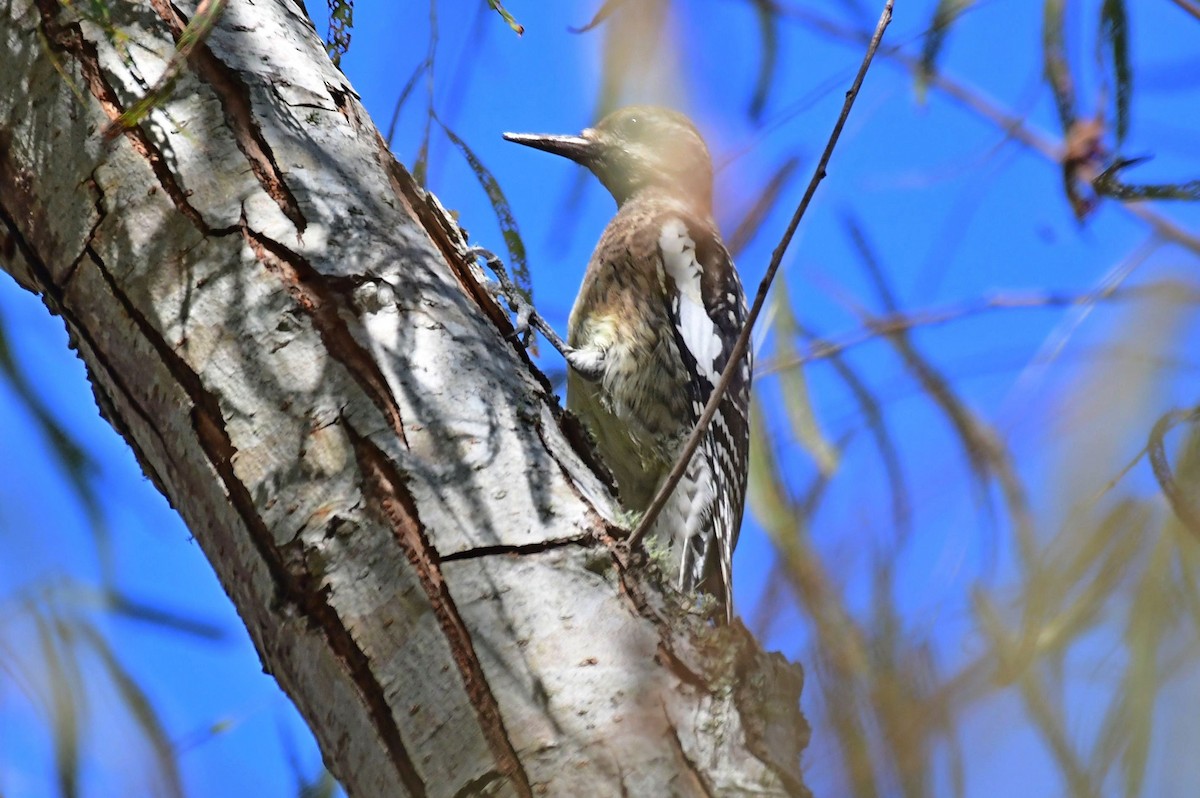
(505, 291)
(589, 363)
(528, 318)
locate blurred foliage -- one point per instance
(1114, 30)
(944, 15)
(1076, 560)
(55, 654)
(518, 266)
(1092, 581)
(509, 229)
(341, 21)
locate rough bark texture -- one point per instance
(282, 326)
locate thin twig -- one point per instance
(739, 347)
(892, 323)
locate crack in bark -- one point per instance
(69, 38)
(15, 187)
(294, 588)
(581, 444)
(671, 661)
(478, 786)
(447, 237)
(341, 101)
(522, 549)
(101, 215)
(52, 294)
(104, 402)
(233, 93)
(691, 769)
(311, 291)
(387, 489)
(298, 590)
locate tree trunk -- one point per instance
(283, 327)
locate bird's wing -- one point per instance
(707, 308)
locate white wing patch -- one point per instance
(696, 328)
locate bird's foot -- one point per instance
(589, 363)
(504, 289)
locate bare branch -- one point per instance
(892, 323)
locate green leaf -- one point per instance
(517, 27)
(341, 20)
(1114, 29)
(797, 400)
(518, 266)
(944, 15)
(768, 29)
(1054, 58)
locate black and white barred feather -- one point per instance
(707, 308)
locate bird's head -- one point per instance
(636, 148)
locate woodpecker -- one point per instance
(651, 332)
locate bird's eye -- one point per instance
(633, 127)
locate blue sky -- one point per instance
(954, 211)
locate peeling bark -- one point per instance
(284, 328)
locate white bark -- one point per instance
(282, 326)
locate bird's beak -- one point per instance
(579, 149)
